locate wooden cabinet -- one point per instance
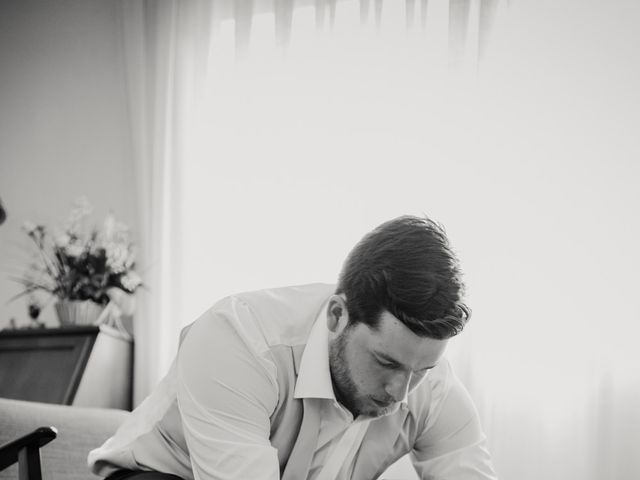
(84, 366)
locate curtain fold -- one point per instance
(166, 47)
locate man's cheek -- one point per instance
(371, 380)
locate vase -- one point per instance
(78, 312)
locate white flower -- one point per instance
(124, 301)
(63, 240)
(131, 259)
(131, 281)
(117, 257)
(74, 250)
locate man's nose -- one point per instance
(398, 385)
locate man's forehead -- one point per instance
(389, 357)
(396, 342)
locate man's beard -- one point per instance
(344, 386)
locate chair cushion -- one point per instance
(80, 429)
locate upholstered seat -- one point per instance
(79, 429)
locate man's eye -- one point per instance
(387, 364)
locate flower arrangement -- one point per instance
(80, 263)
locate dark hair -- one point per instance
(405, 266)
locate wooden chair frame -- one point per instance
(26, 451)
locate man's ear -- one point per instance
(337, 314)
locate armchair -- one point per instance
(79, 430)
(25, 451)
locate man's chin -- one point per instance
(375, 411)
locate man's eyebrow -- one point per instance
(390, 359)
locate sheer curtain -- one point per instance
(165, 49)
(272, 135)
(209, 81)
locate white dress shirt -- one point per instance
(212, 417)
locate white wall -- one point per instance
(63, 123)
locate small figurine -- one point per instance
(34, 313)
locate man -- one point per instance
(318, 382)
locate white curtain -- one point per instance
(189, 65)
(165, 50)
(271, 135)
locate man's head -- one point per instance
(397, 302)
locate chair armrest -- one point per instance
(26, 451)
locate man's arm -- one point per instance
(452, 445)
(227, 390)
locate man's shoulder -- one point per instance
(283, 315)
(296, 296)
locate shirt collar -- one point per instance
(314, 375)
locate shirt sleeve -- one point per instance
(452, 445)
(227, 390)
